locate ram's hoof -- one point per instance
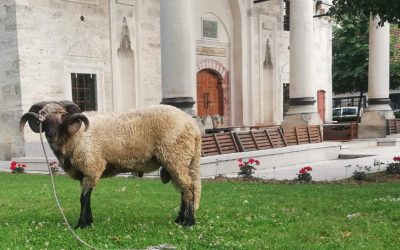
(186, 223)
(179, 220)
(189, 222)
(82, 225)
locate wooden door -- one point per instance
(321, 104)
(209, 94)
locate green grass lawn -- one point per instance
(138, 213)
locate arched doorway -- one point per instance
(209, 93)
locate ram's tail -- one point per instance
(195, 174)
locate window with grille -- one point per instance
(84, 91)
(349, 101)
(286, 98)
(286, 15)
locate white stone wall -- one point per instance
(125, 51)
(267, 84)
(270, 54)
(52, 41)
(150, 52)
(266, 57)
(57, 38)
(11, 140)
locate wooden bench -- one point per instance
(393, 126)
(271, 137)
(260, 139)
(315, 134)
(302, 135)
(220, 143)
(341, 131)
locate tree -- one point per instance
(388, 10)
(350, 56)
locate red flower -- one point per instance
(13, 165)
(308, 168)
(396, 158)
(257, 162)
(240, 160)
(251, 161)
(241, 165)
(302, 171)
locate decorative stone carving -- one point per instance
(90, 2)
(84, 49)
(126, 2)
(125, 43)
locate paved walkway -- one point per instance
(365, 151)
(356, 153)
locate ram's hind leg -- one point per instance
(183, 182)
(186, 211)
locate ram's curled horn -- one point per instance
(72, 123)
(33, 120)
(37, 107)
(32, 117)
(70, 107)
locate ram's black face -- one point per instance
(51, 126)
(59, 119)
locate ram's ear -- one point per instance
(73, 123)
(74, 127)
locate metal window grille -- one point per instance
(349, 101)
(395, 101)
(286, 15)
(84, 91)
(286, 98)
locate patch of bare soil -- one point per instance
(378, 177)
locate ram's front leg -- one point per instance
(85, 218)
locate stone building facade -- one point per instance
(52, 49)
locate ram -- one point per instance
(108, 144)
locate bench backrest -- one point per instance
(393, 126)
(220, 143)
(271, 137)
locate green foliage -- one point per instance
(248, 167)
(304, 174)
(388, 10)
(395, 59)
(136, 213)
(360, 174)
(394, 167)
(350, 49)
(350, 56)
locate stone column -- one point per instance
(178, 54)
(373, 120)
(302, 107)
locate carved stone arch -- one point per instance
(84, 49)
(223, 73)
(214, 65)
